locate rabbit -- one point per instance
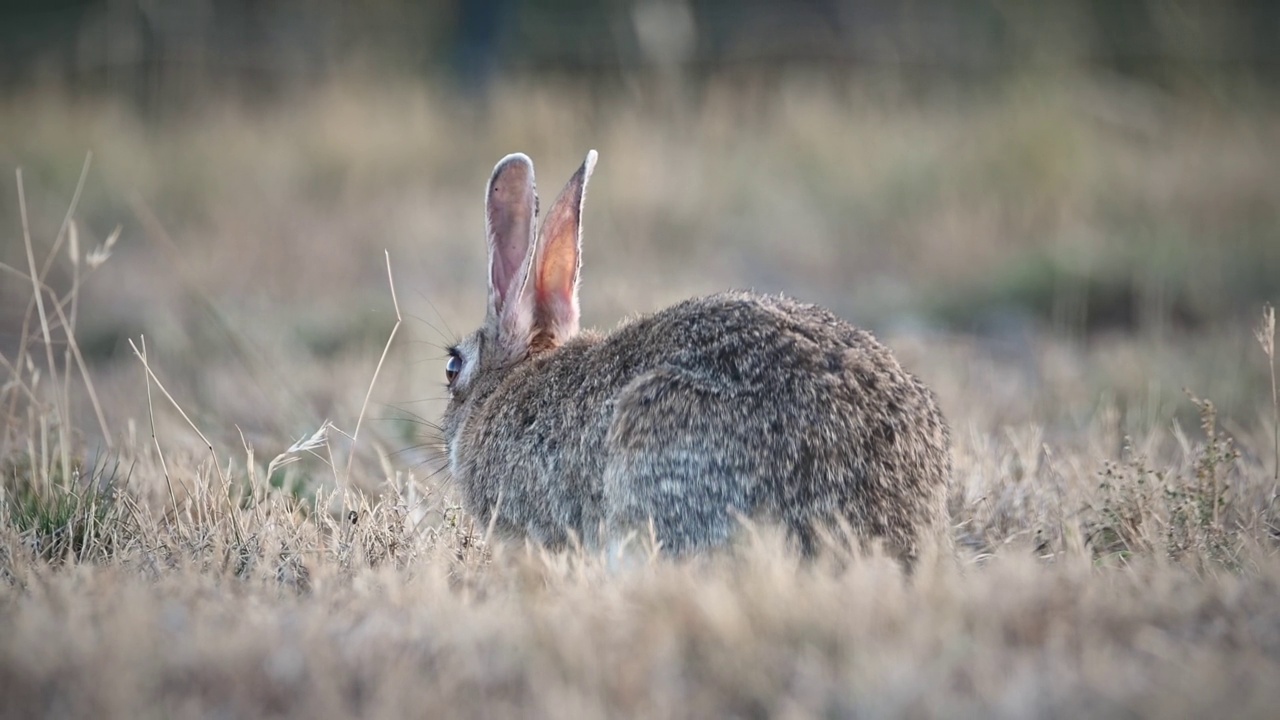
(677, 424)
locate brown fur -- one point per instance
(732, 405)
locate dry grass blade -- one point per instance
(1266, 334)
(308, 444)
(151, 417)
(101, 253)
(364, 406)
(73, 348)
(213, 454)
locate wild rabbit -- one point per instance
(680, 422)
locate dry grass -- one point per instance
(187, 554)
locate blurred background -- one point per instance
(1046, 208)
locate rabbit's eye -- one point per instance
(452, 366)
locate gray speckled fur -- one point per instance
(730, 405)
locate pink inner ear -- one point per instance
(510, 208)
(558, 269)
(558, 262)
(506, 263)
(557, 313)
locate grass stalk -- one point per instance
(1266, 334)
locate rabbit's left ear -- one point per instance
(558, 261)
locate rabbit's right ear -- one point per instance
(511, 208)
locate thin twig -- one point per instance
(74, 348)
(235, 524)
(151, 414)
(377, 370)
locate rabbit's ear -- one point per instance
(559, 259)
(511, 207)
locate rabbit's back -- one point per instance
(753, 405)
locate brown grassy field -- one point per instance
(1078, 268)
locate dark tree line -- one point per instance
(154, 47)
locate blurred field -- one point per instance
(1071, 261)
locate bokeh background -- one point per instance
(1046, 208)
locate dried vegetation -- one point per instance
(208, 509)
